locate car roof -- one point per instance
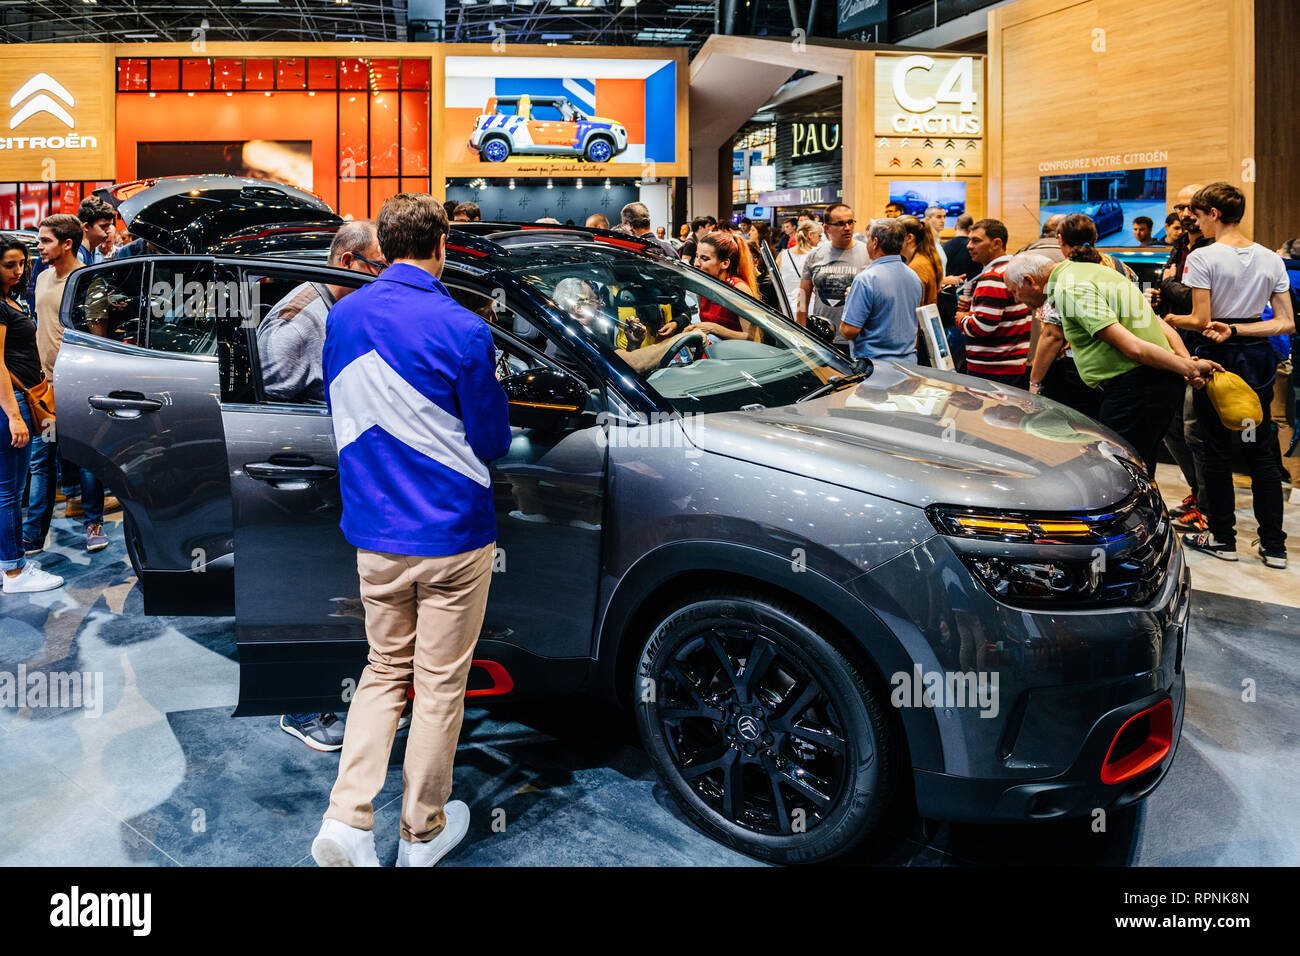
(210, 213)
(484, 239)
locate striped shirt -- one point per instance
(997, 326)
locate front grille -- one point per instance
(1136, 576)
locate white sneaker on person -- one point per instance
(338, 844)
(30, 580)
(410, 853)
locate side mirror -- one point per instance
(543, 398)
(821, 328)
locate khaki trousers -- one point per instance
(423, 617)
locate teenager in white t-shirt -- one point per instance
(1232, 280)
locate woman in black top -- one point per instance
(22, 366)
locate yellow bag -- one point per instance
(1235, 401)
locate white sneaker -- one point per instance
(338, 844)
(427, 854)
(31, 579)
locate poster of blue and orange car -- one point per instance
(502, 110)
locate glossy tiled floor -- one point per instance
(165, 776)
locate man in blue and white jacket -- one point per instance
(417, 415)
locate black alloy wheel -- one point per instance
(768, 737)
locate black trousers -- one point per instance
(1260, 449)
(1062, 384)
(1139, 405)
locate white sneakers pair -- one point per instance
(30, 580)
(338, 844)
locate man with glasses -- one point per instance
(830, 269)
(291, 337)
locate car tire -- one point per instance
(494, 149)
(689, 716)
(599, 149)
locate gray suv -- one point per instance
(819, 587)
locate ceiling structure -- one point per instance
(605, 22)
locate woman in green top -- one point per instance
(1120, 345)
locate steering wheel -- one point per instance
(695, 342)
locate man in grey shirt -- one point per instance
(292, 335)
(830, 269)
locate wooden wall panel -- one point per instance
(1079, 79)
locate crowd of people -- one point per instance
(1063, 319)
(34, 475)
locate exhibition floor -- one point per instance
(166, 777)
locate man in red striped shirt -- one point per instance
(996, 326)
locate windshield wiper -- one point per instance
(835, 384)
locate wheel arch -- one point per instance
(654, 585)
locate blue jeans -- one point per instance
(40, 497)
(13, 476)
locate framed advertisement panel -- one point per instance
(593, 111)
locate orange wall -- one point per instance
(623, 100)
(179, 117)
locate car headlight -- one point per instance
(1037, 582)
(1029, 529)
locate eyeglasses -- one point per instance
(845, 222)
(1181, 206)
(381, 266)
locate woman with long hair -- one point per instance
(21, 368)
(920, 254)
(726, 257)
(790, 262)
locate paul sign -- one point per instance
(814, 141)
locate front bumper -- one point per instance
(1068, 682)
(1077, 792)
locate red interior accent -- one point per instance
(625, 243)
(1160, 736)
(469, 252)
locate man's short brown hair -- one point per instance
(93, 209)
(409, 226)
(470, 211)
(994, 229)
(66, 228)
(1225, 197)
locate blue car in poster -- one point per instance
(544, 126)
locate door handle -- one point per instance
(124, 405)
(290, 472)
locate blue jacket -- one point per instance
(417, 412)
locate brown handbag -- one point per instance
(40, 399)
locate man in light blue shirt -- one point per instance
(879, 317)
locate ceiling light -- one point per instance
(512, 184)
(228, 93)
(549, 184)
(578, 184)
(607, 184)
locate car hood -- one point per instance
(923, 436)
(603, 119)
(195, 215)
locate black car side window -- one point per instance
(108, 303)
(287, 314)
(185, 305)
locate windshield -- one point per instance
(644, 312)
